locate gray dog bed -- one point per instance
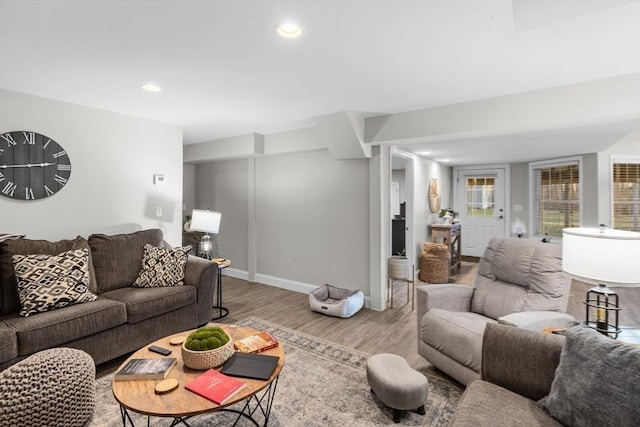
(336, 302)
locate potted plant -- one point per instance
(206, 348)
(447, 215)
(398, 266)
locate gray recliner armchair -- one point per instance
(520, 283)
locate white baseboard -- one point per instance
(291, 285)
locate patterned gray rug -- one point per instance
(321, 384)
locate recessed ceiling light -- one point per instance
(423, 153)
(445, 160)
(289, 30)
(150, 87)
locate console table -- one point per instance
(450, 235)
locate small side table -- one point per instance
(450, 235)
(222, 311)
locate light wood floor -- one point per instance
(391, 331)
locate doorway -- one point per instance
(481, 198)
(401, 223)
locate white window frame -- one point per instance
(533, 166)
(617, 159)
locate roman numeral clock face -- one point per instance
(32, 166)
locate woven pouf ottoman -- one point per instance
(397, 385)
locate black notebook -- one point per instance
(250, 365)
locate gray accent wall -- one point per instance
(308, 222)
(224, 187)
(312, 219)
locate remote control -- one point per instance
(160, 350)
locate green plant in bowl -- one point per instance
(206, 338)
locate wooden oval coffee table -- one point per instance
(139, 395)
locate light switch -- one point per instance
(158, 211)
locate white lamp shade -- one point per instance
(207, 221)
(607, 256)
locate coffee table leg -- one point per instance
(124, 415)
(247, 411)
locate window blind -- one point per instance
(625, 196)
(556, 198)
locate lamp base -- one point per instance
(205, 246)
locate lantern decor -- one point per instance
(605, 257)
(602, 310)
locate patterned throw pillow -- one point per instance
(48, 282)
(162, 267)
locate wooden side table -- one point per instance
(450, 235)
(222, 311)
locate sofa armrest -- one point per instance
(202, 274)
(450, 297)
(537, 320)
(520, 360)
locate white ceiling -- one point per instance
(225, 72)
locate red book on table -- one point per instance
(215, 386)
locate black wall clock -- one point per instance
(32, 166)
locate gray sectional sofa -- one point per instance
(531, 379)
(122, 318)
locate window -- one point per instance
(625, 194)
(555, 194)
(480, 200)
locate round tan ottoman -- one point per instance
(397, 385)
(435, 262)
(54, 387)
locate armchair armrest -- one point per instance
(202, 274)
(537, 320)
(520, 360)
(450, 297)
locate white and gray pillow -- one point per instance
(49, 282)
(162, 267)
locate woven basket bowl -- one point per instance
(202, 360)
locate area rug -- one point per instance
(321, 384)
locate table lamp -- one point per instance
(209, 222)
(607, 257)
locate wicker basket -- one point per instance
(202, 360)
(435, 263)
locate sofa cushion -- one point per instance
(49, 282)
(519, 275)
(162, 267)
(67, 324)
(146, 303)
(118, 259)
(8, 343)
(457, 335)
(597, 382)
(9, 248)
(485, 404)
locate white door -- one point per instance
(480, 202)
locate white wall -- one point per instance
(424, 171)
(113, 160)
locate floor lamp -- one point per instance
(209, 222)
(610, 258)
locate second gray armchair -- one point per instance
(520, 283)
